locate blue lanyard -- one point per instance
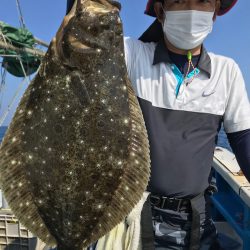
(180, 78)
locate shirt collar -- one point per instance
(161, 55)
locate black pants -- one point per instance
(172, 229)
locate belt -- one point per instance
(174, 204)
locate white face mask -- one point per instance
(187, 29)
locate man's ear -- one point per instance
(158, 8)
(217, 8)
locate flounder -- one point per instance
(75, 159)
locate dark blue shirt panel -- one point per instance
(181, 149)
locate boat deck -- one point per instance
(232, 202)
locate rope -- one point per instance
(34, 52)
(3, 37)
(21, 20)
(3, 75)
(9, 107)
(2, 119)
(2, 85)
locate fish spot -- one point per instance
(99, 206)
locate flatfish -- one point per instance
(75, 159)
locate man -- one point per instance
(184, 99)
(185, 94)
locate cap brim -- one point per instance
(226, 6)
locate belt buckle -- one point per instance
(172, 201)
(169, 200)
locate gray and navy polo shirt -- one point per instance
(183, 118)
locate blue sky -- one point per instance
(230, 36)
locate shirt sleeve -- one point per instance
(237, 112)
(240, 144)
(131, 53)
